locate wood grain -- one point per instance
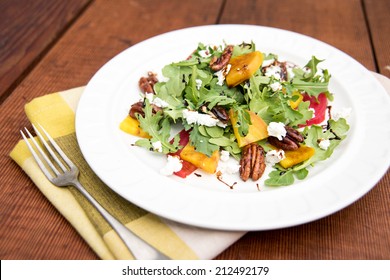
(30, 228)
(378, 13)
(27, 30)
(338, 23)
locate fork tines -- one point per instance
(44, 156)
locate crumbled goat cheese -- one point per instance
(277, 130)
(225, 155)
(267, 62)
(221, 124)
(198, 83)
(157, 146)
(221, 74)
(160, 103)
(174, 164)
(149, 96)
(273, 71)
(324, 144)
(290, 72)
(274, 156)
(198, 118)
(307, 70)
(275, 86)
(343, 113)
(204, 53)
(156, 100)
(228, 167)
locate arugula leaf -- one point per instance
(262, 104)
(315, 134)
(191, 91)
(212, 97)
(300, 115)
(234, 94)
(177, 78)
(243, 48)
(312, 65)
(201, 142)
(214, 131)
(339, 128)
(162, 92)
(310, 81)
(243, 120)
(229, 145)
(158, 128)
(312, 88)
(211, 50)
(301, 174)
(280, 178)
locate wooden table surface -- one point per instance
(48, 46)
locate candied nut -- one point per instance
(218, 63)
(286, 144)
(290, 142)
(146, 83)
(220, 113)
(138, 108)
(252, 163)
(294, 134)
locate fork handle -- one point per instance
(138, 247)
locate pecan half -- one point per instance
(220, 113)
(146, 83)
(218, 63)
(252, 163)
(138, 108)
(290, 142)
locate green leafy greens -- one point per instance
(191, 85)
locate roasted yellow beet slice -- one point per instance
(257, 130)
(294, 157)
(200, 160)
(131, 126)
(243, 67)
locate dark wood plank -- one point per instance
(106, 28)
(29, 226)
(339, 23)
(378, 12)
(27, 30)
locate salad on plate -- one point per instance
(232, 109)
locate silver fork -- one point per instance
(68, 176)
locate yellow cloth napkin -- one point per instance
(56, 113)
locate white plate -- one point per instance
(356, 166)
